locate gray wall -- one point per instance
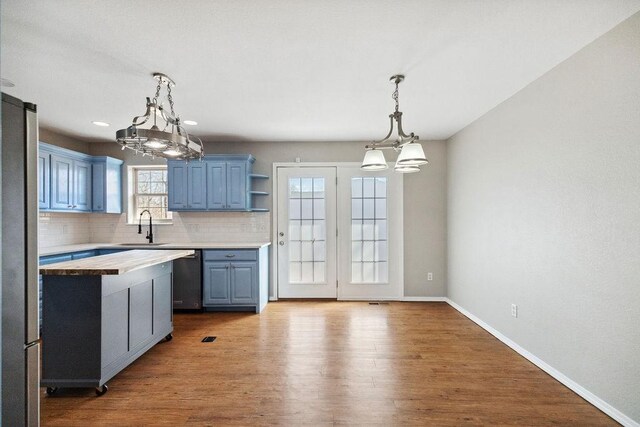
(544, 212)
(424, 196)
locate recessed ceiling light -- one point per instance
(103, 124)
(6, 83)
(190, 122)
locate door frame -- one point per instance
(273, 295)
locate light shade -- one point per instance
(412, 154)
(374, 161)
(406, 169)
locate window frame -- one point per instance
(132, 178)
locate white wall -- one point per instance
(544, 212)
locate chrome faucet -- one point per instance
(150, 231)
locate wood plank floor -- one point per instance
(326, 364)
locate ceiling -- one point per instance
(289, 70)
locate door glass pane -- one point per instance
(369, 254)
(307, 230)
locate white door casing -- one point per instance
(361, 228)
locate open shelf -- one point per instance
(258, 193)
(258, 176)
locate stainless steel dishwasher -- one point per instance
(187, 282)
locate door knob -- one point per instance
(281, 234)
(281, 243)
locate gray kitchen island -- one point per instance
(102, 313)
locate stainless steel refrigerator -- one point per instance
(20, 360)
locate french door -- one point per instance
(306, 245)
(339, 233)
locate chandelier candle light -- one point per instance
(172, 141)
(411, 152)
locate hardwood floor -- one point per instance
(327, 363)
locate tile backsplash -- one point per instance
(188, 227)
(56, 229)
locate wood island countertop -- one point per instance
(118, 263)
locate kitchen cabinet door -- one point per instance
(82, 186)
(140, 314)
(244, 282)
(216, 185)
(197, 186)
(178, 185)
(216, 283)
(44, 175)
(62, 183)
(236, 185)
(106, 191)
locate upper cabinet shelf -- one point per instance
(217, 183)
(69, 181)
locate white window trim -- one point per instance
(131, 181)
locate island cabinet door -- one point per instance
(216, 283)
(140, 314)
(244, 283)
(162, 305)
(115, 327)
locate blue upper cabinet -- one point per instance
(197, 186)
(177, 179)
(237, 185)
(44, 179)
(107, 185)
(218, 183)
(61, 183)
(76, 182)
(82, 186)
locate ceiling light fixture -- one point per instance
(172, 141)
(103, 124)
(411, 152)
(190, 122)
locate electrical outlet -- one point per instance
(514, 310)
(429, 276)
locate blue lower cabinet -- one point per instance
(109, 251)
(216, 283)
(84, 254)
(244, 282)
(235, 279)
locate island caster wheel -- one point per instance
(51, 390)
(102, 390)
(168, 337)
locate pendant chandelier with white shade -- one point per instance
(411, 155)
(171, 140)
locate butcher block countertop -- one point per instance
(118, 263)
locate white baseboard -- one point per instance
(424, 299)
(577, 388)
